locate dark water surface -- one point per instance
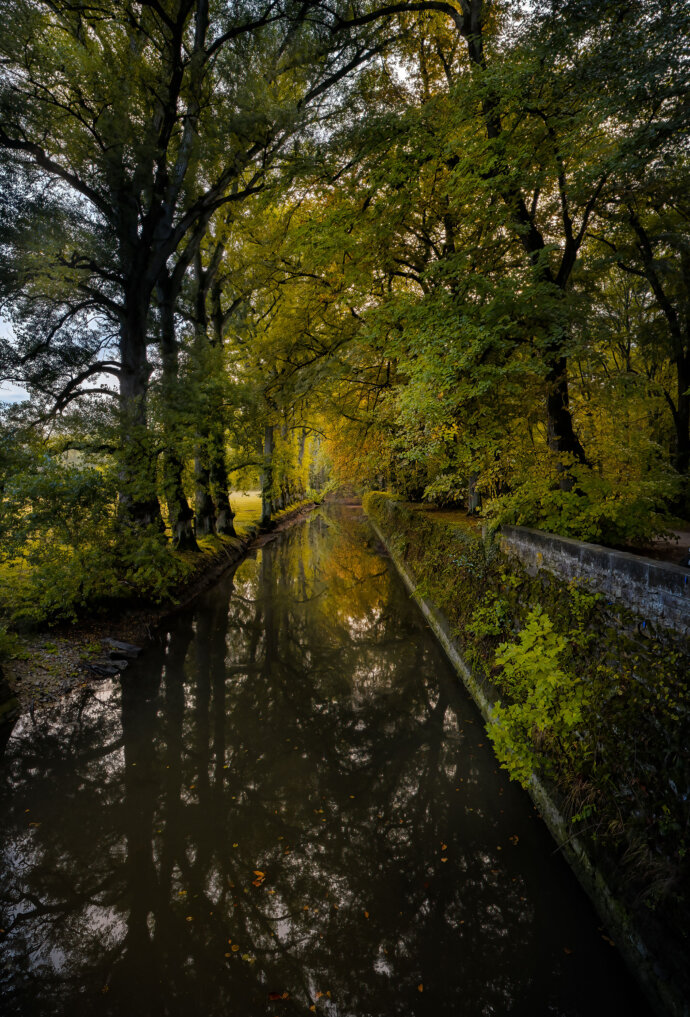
(291, 797)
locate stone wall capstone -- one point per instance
(656, 591)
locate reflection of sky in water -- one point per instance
(287, 794)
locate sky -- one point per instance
(9, 393)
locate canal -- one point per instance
(288, 806)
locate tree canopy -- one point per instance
(435, 246)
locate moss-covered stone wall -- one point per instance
(586, 701)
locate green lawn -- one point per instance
(247, 508)
(454, 517)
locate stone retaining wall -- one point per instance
(646, 964)
(656, 591)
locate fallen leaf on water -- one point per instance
(228, 955)
(279, 995)
(312, 1008)
(443, 847)
(34, 824)
(566, 949)
(420, 987)
(366, 914)
(607, 939)
(189, 918)
(444, 859)
(514, 839)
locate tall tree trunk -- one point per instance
(474, 498)
(561, 435)
(137, 500)
(560, 430)
(180, 513)
(681, 418)
(205, 509)
(301, 446)
(267, 476)
(220, 485)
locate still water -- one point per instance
(287, 806)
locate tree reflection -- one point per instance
(287, 794)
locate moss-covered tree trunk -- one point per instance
(138, 504)
(180, 513)
(267, 476)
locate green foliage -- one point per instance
(10, 643)
(612, 509)
(546, 703)
(489, 618)
(63, 548)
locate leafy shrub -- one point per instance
(62, 547)
(547, 702)
(606, 510)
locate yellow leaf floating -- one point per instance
(420, 987)
(234, 947)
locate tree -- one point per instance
(211, 96)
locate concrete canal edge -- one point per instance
(663, 995)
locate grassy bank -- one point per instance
(49, 652)
(585, 697)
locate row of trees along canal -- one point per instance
(445, 244)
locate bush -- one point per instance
(604, 510)
(62, 548)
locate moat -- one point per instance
(287, 805)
